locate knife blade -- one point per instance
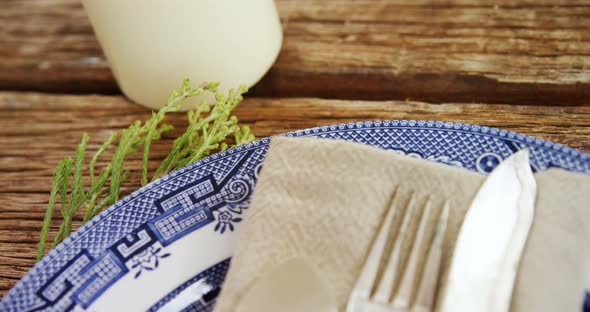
(491, 239)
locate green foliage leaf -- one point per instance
(208, 129)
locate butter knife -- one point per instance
(491, 240)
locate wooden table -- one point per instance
(523, 67)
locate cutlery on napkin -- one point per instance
(323, 200)
(491, 240)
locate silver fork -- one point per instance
(375, 293)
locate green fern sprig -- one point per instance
(206, 132)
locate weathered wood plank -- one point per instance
(528, 52)
(39, 129)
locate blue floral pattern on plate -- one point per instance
(132, 235)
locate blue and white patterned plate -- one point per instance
(166, 246)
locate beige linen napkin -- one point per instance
(555, 266)
(321, 201)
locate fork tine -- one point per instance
(427, 288)
(360, 298)
(385, 287)
(366, 280)
(403, 296)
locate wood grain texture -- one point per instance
(39, 129)
(528, 52)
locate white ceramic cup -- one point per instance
(152, 45)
